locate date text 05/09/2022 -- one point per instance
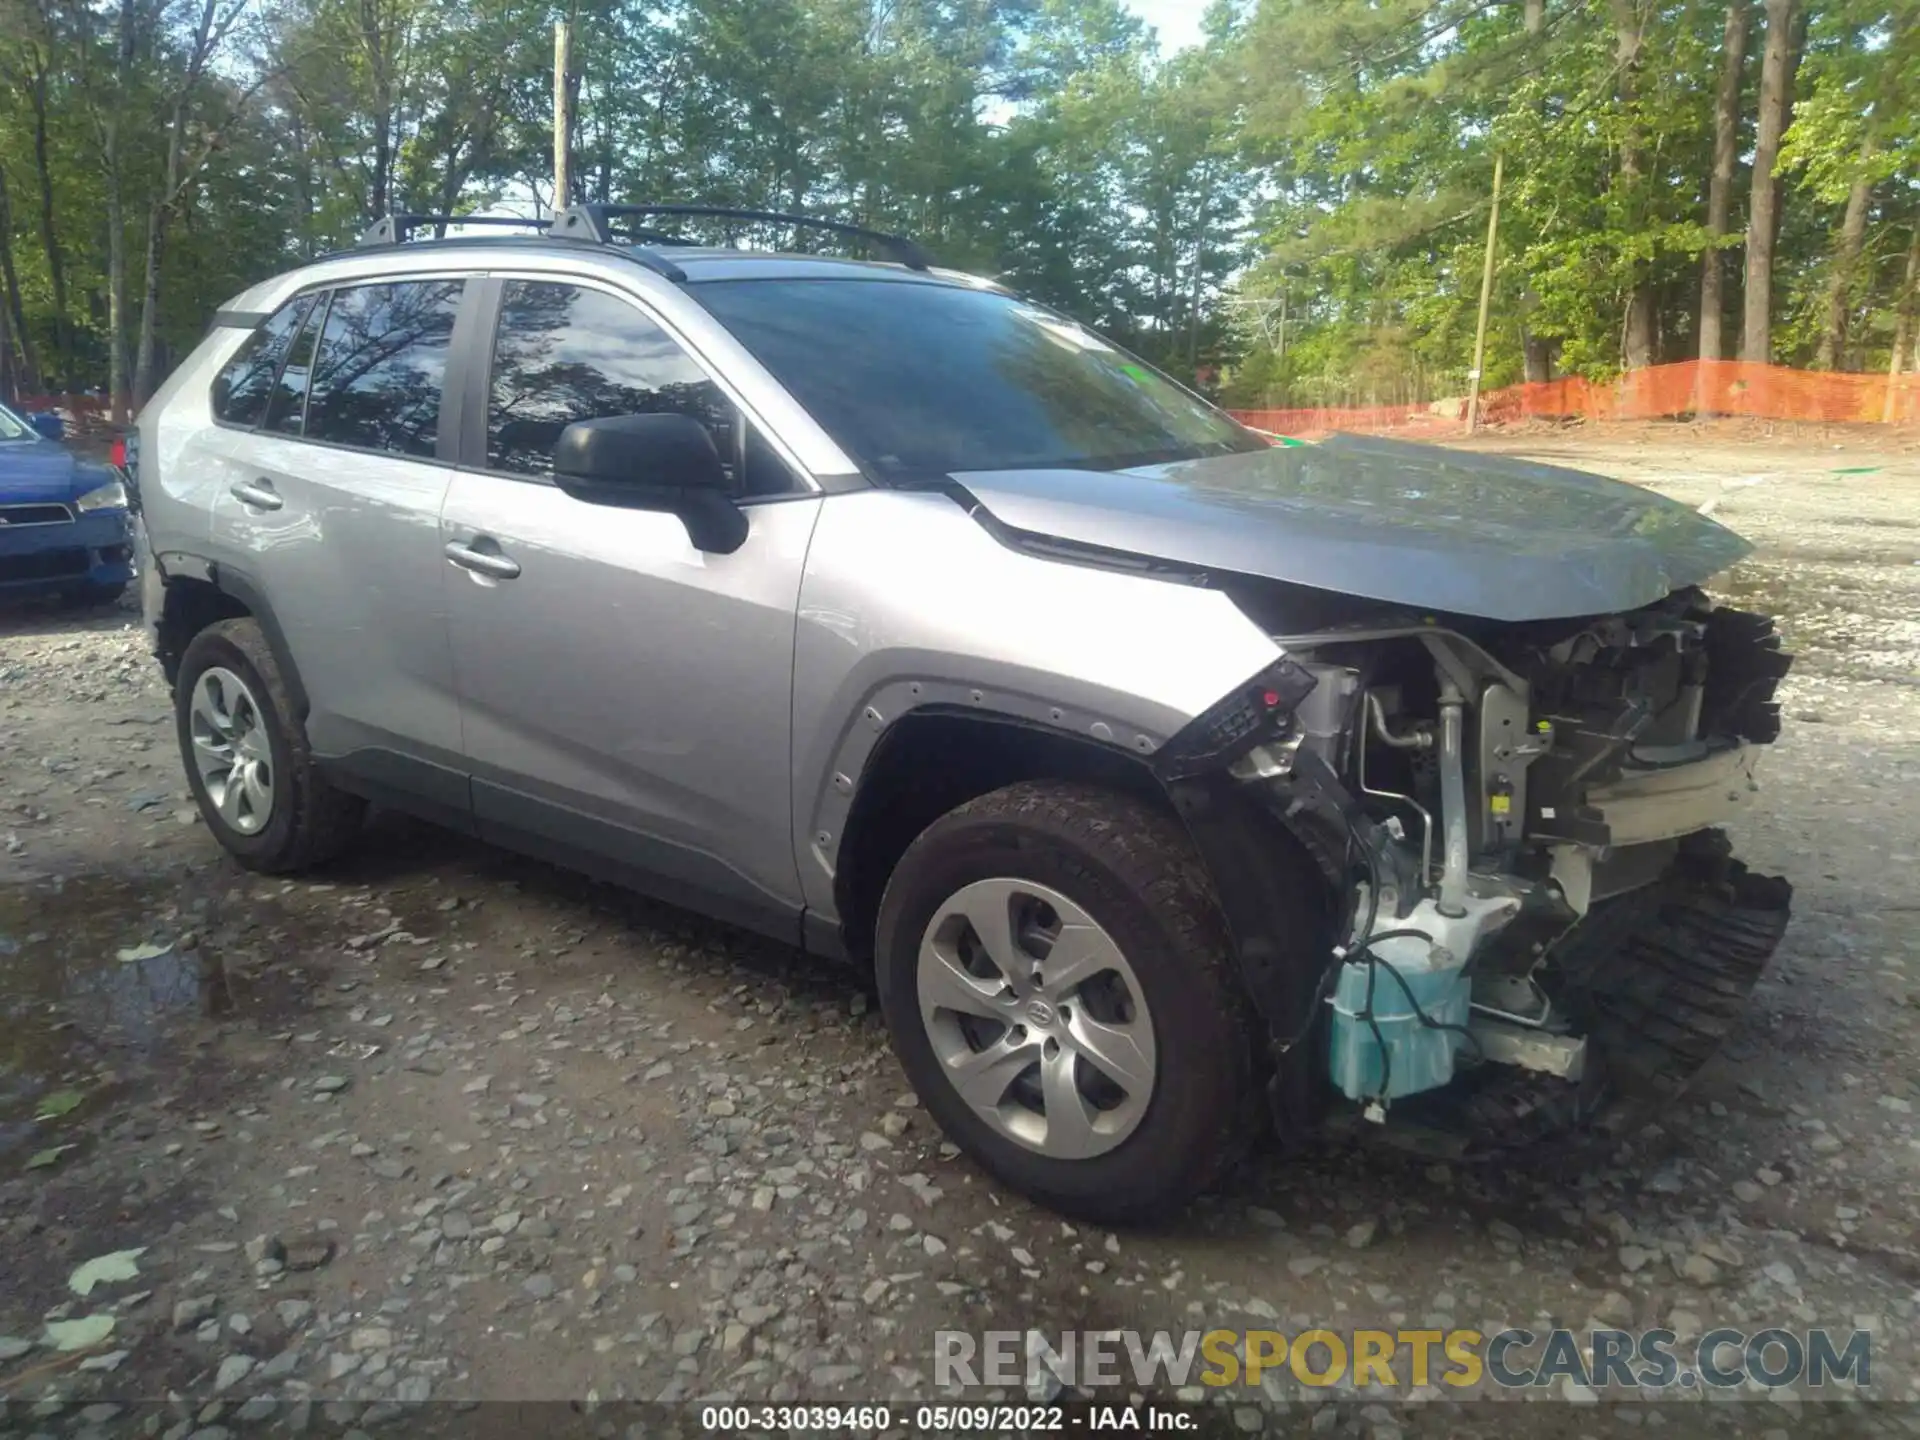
(945, 1419)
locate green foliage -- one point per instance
(1337, 153)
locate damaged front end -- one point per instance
(1528, 906)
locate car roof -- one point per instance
(696, 264)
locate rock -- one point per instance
(871, 1141)
(1361, 1235)
(1698, 1269)
(365, 1338)
(307, 1251)
(455, 1226)
(265, 1247)
(1249, 1418)
(506, 1222)
(189, 1313)
(255, 1410)
(233, 1370)
(1613, 1308)
(391, 1169)
(281, 1365)
(1633, 1259)
(12, 1347)
(1781, 1274)
(537, 1228)
(239, 1324)
(329, 1084)
(933, 1244)
(1304, 1265)
(537, 1287)
(894, 1124)
(1827, 1143)
(414, 1390)
(826, 1377)
(1746, 1192)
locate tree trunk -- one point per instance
(1638, 339)
(1533, 16)
(1726, 150)
(1536, 355)
(1903, 304)
(150, 301)
(124, 47)
(13, 318)
(49, 233)
(380, 63)
(116, 282)
(1776, 101)
(1846, 259)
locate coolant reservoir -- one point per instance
(1406, 1056)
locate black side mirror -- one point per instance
(652, 462)
(48, 425)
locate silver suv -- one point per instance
(1174, 786)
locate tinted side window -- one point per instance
(382, 357)
(241, 390)
(563, 353)
(288, 401)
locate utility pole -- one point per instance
(562, 115)
(1486, 299)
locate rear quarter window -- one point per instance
(244, 385)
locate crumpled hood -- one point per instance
(1417, 525)
(33, 470)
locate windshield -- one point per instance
(12, 427)
(917, 380)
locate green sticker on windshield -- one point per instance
(1137, 373)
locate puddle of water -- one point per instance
(75, 1017)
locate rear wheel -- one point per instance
(247, 759)
(1060, 988)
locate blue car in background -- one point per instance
(64, 524)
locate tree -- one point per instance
(1726, 145)
(1763, 204)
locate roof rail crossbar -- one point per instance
(397, 229)
(593, 224)
(587, 222)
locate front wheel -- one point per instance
(1060, 988)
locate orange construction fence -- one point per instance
(1691, 387)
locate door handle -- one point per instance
(482, 562)
(257, 493)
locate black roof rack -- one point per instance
(592, 222)
(398, 229)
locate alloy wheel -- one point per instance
(230, 750)
(1037, 1018)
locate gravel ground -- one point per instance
(446, 1124)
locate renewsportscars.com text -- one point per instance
(1391, 1359)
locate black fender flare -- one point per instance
(245, 590)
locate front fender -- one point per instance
(908, 603)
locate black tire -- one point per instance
(89, 597)
(1135, 872)
(311, 822)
